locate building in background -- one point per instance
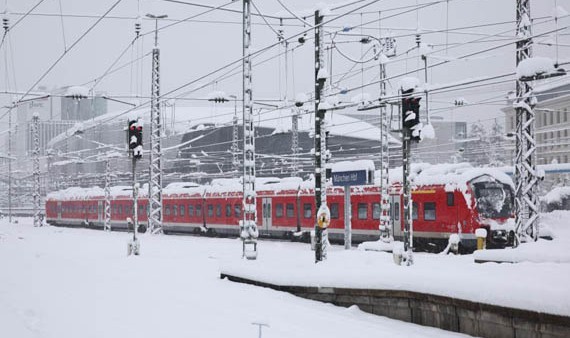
(552, 120)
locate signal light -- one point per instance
(411, 113)
(135, 138)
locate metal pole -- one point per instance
(249, 232)
(10, 165)
(235, 141)
(385, 226)
(320, 147)
(408, 221)
(155, 170)
(526, 178)
(295, 142)
(347, 219)
(107, 224)
(36, 169)
(135, 203)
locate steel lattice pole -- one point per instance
(385, 227)
(295, 141)
(36, 169)
(235, 144)
(107, 225)
(155, 170)
(526, 178)
(249, 232)
(10, 165)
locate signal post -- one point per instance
(410, 133)
(135, 143)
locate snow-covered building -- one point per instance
(552, 120)
(198, 142)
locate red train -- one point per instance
(447, 199)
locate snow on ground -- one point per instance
(554, 224)
(60, 282)
(541, 287)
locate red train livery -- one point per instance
(447, 199)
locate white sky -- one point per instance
(189, 50)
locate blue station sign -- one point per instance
(346, 178)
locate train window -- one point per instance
(279, 210)
(362, 211)
(141, 209)
(120, 210)
(210, 210)
(237, 210)
(429, 211)
(182, 208)
(450, 199)
(307, 212)
(190, 210)
(175, 210)
(334, 210)
(228, 210)
(397, 211)
(218, 210)
(375, 210)
(198, 210)
(167, 210)
(414, 211)
(290, 209)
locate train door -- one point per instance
(395, 213)
(58, 210)
(266, 213)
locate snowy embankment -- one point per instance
(60, 282)
(541, 287)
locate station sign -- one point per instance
(349, 178)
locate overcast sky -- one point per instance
(192, 49)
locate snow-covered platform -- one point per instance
(450, 292)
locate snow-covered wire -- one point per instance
(70, 48)
(305, 22)
(279, 35)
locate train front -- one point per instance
(494, 205)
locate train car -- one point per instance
(447, 199)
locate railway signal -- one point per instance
(134, 143)
(411, 114)
(135, 138)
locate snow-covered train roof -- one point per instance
(447, 174)
(76, 193)
(453, 176)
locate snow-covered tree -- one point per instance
(497, 151)
(477, 148)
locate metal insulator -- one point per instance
(5, 22)
(138, 26)
(418, 39)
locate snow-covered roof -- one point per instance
(76, 193)
(556, 195)
(196, 118)
(453, 176)
(449, 174)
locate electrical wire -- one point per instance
(68, 50)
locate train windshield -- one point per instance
(493, 199)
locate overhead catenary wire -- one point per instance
(68, 50)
